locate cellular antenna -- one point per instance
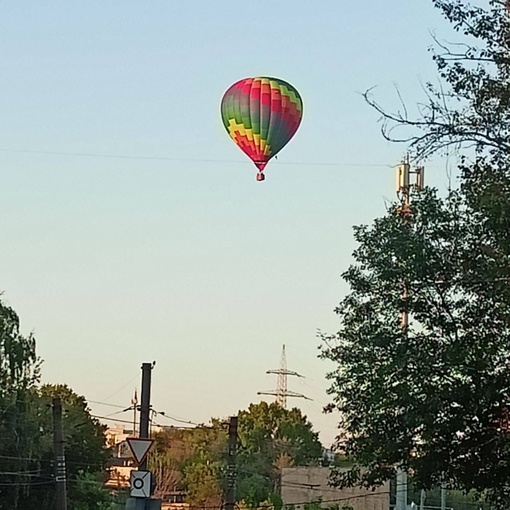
(281, 393)
(409, 180)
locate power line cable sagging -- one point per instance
(184, 160)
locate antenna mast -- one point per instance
(281, 393)
(405, 187)
(134, 403)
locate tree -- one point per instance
(271, 438)
(195, 460)
(170, 451)
(92, 494)
(432, 397)
(26, 430)
(192, 461)
(19, 373)
(469, 108)
(85, 449)
(471, 104)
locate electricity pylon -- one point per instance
(281, 393)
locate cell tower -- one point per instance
(281, 393)
(408, 180)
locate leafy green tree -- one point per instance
(432, 397)
(172, 448)
(19, 373)
(92, 494)
(469, 108)
(192, 461)
(202, 472)
(86, 451)
(85, 448)
(26, 430)
(195, 460)
(471, 105)
(272, 438)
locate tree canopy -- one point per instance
(433, 397)
(19, 373)
(270, 438)
(26, 429)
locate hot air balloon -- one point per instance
(261, 115)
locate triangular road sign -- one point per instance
(139, 447)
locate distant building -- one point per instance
(121, 462)
(303, 485)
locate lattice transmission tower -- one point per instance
(281, 393)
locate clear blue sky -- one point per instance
(188, 260)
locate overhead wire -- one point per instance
(110, 419)
(32, 472)
(69, 461)
(167, 416)
(191, 160)
(156, 413)
(105, 404)
(178, 420)
(17, 484)
(122, 387)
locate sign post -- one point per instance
(141, 481)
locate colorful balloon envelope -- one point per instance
(261, 115)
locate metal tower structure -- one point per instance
(406, 184)
(134, 404)
(281, 393)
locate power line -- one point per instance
(48, 461)
(336, 500)
(178, 420)
(110, 419)
(33, 472)
(123, 386)
(191, 160)
(105, 404)
(124, 409)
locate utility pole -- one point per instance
(404, 187)
(142, 482)
(145, 407)
(60, 460)
(230, 493)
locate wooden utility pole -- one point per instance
(230, 493)
(60, 460)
